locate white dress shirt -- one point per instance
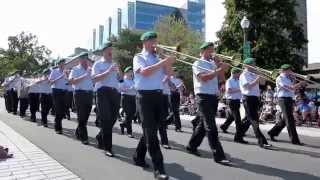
(127, 87)
(233, 83)
(247, 77)
(110, 80)
(154, 80)
(282, 81)
(62, 83)
(204, 87)
(84, 84)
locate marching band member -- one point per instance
(149, 72)
(128, 101)
(286, 88)
(34, 96)
(11, 97)
(249, 86)
(59, 85)
(105, 74)
(233, 96)
(69, 97)
(166, 119)
(206, 90)
(80, 78)
(23, 97)
(175, 100)
(45, 97)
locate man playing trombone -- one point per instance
(206, 90)
(249, 86)
(149, 72)
(286, 88)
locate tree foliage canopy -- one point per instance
(24, 54)
(276, 36)
(173, 31)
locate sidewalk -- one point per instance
(29, 162)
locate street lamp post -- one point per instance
(245, 24)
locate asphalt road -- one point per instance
(285, 161)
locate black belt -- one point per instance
(59, 90)
(107, 88)
(128, 95)
(150, 91)
(83, 91)
(285, 97)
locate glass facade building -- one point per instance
(144, 15)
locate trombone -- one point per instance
(176, 50)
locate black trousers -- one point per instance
(24, 103)
(175, 102)
(163, 125)
(207, 106)
(129, 107)
(7, 101)
(149, 103)
(13, 101)
(83, 101)
(46, 105)
(108, 100)
(69, 102)
(59, 101)
(251, 106)
(34, 101)
(234, 115)
(286, 105)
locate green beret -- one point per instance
(148, 35)
(249, 61)
(127, 69)
(235, 70)
(285, 67)
(84, 55)
(61, 61)
(205, 45)
(105, 46)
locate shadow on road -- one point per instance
(270, 171)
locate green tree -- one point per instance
(24, 54)
(276, 36)
(126, 45)
(174, 31)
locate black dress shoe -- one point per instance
(166, 146)
(160, 176)
(85, 142)
(193, 151)
(224, 162)
(241, 141)
(122, 128)
(272, 137)
(265, 146)
(130, 136)
(142, 164)
(179, 130)
(298, 143)
(59, 131)
(109, 153)
(45, 125)
(224, 130)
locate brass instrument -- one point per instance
(173, 49)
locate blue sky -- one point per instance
(62, 25)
